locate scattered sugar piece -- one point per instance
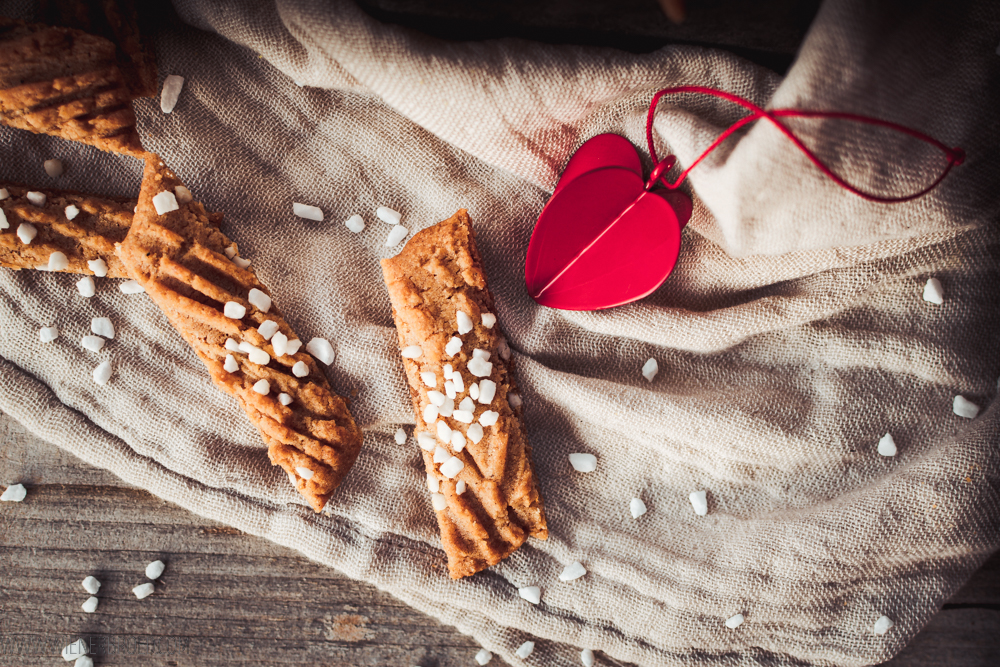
(90, 606)
(430, 413)
(514, 400)
(637, 508)
(441, 454)
(131, 287)
(452, 467)
(734, 622)
(429, 379)
(464, 322)
(650, 369)
(258, 356)
(91, 585)
(438, 502)
(14, 493)
(454, 346)
(464, 416)
(355, 223)
(489, 319)
(574, 570)
(436, 397)
(234, 311)
(532, 594)
(447, 409)
(411, 352)
(36, 198)
(155, 569)
(102, 373)
(92, 343)
(447, 370)
(433, 483)
(267, 329)
(72, 212)
(3, 219)
(4, 194)
(467, 404)
(525, 650)
(443, 433)
(279, 343)
(400, 436)
(48, 334)
(232, 345)
(475, 433)
(480, 368)
(143, 590)
(230, 251)
(480, 354)
(165, 202)
(699, 501)
(54, 168)
(262, 387)
(396, 234)
(483, 656)
(489, 418)
(240, 262)
(426, 441)
(171, 91)
(58, 261)
(458, 382)
(460, 487)
(102, 326)
(487, 390)
(963, 407)
(98, 266)
(26, 232)
(284, 398)
(933, 292)
(887, 446)
(183, 194)
(304, 473)
(583, 462)
(474, 390)
(882, 625)
(388, 216)
(84, 661)
(457, 440)
(86, 287)
(449, 389)
(74, 650)
(294, 345)
(300, 369)
(587, 657)
(231, 366)
(259, 300)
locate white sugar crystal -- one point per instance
(279, 343)
(457, 441)
(48, 334)
(98, 266)
(155, 569)
(90, 606)
(3, 219)
(587, 657)
(965, 408)
(483, 656)
(430, 413)
(284, 399)
(532, 594)
(74, 650)
(433, 483)
(426, 441)
(464, 416)
(230, 251)
(464, 322)
(467, 404)
(699, 501)
(300, 369)
(321, 349)
(36, 198)
(304, 473)
(572, 571)
(388, 216)
(449, 389)
(458, 382)
(183, 194)
(294, 345)
(231, 366)
(143, 590)
(524, 650)
(246, 348)
(54, 168)
(131, 287)
(514, 400)
(411, 352)
(267, 329)
(447, 370)
(240, 262)
(436, 397)
(489, 418)
(429, 379)
(438, 502)
(650, 369)
(480, 368)
(4, 194)
(441, 454)
(26, 232)
(882, 625)
(86, 287)
(58, 261)
(933, 292)
(400, 436)
(474, 390)
(84, 661)
(583, 462)
(262, 387)
(102, 326)
(487, 390)
(887, 446)
(92, 343)
(14, 493)
(71, 212)
(91, 585)
(734, 622)
(447, 408)
(259, 356)
(165, 202)
(234, 311)
(102, 373)
(460, 487)
(454, 346)
(489, 319)
(452, 467)
(171, 91)
(504, 349)
(444, 432)
(259, 299)
(475, 433)
(480, 354)
(396, 234)
(232, 345)
(355, 223)
(637, 508)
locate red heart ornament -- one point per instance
(604, 238)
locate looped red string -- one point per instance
(955, 156)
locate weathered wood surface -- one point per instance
(227, 597)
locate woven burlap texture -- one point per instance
(790, 338)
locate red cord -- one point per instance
(955, 156)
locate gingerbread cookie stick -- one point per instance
(468, 412)
(226, 315)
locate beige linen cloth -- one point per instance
(791, 337)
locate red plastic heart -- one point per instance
(604, 239)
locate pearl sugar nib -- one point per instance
(532, 594)
(483, 657)
(587, 657)
(90, 606)
(54, 168)
(155, 569)
(524, 650)
(887, 446)
(882, 625)
(165, 202)
(637, 508)
(171, 91)
(86, 287)
(572, 572)
(933, 292)
(321, 349)
(355, 223)
(308, 212)
(91, 585)
(963, 407)
(14, 493)
(143, 590)
(650, 369)
(102, 326)
(396, 235)
(699, 501)
(48, 334)
(388, 215)
(583, 462)
(400, 436)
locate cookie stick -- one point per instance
(438, 275)
(216, 305)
